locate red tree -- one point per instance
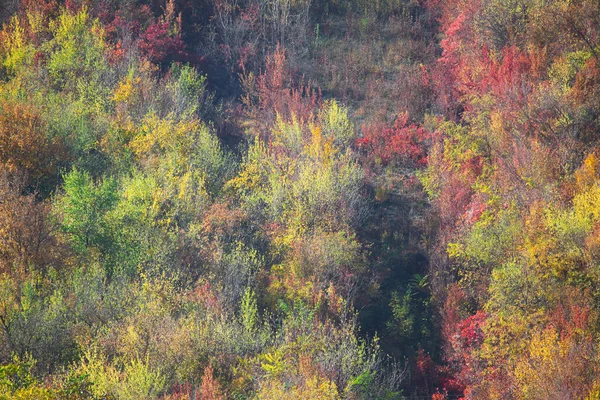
(401, 144)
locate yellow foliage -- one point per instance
(13, 44)
(320, 149)
(288, 136)
(314, 389)
(155, 134)
(455, 250)
(310, 385)
(335, 124)
(30, 393)
(545, 351)
(273, 363)
(248, 179)
(315, 149)
(329, 151)
(243, 375)
(587, 205)
(587, 174)
(253, 174)
(506, 337)
(37, 22)
(125, 89)
(595, 392)
(286, 285)
(553, 361)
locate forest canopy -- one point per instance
(299, 199)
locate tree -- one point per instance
(26, 148)
(82, 211)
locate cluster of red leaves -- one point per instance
(436, 378)
(572, 317)
(464, 367)
(501, 75)
(446, 71)
(474, 211)
(26, 228)
(204, 294)
(117, 22)
(159, 45)
(275, 92)
(401, 144)
(452, 203)
(210, 388)
(587, 82)
(471, 333)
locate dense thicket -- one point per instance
(299, 199)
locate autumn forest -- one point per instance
(300, 199)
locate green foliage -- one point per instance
(410, 314)
(186, 154)
(324, 255)
(404, 318)
(189, 93)
(335, 123)
(36, 321)
(491, 239)
(83, 212)
(314, 183)
(16, 375)
(516, 288)
(18, 382)
(75, 386)
(141, 381)
(135, 379)
(249, 310)
(77, 51)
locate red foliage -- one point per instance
(72, 5)
(453, 202)
(401, 144)
(426, 373)
(159, 45)
(445, 73)
(457, 60)
(507, 77)
(430, 376)
(476, 208)
(508, 95)
(573, 315)
(210, 388)
(24, 144)
(439, 396)
(119, 22)
(451, 312)
(204, 294)
(467, 66)
(277, 92)
(471, 334)
(466, 337)
(587, 83)
(48, 8)
(185, 391)
(27, 230)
